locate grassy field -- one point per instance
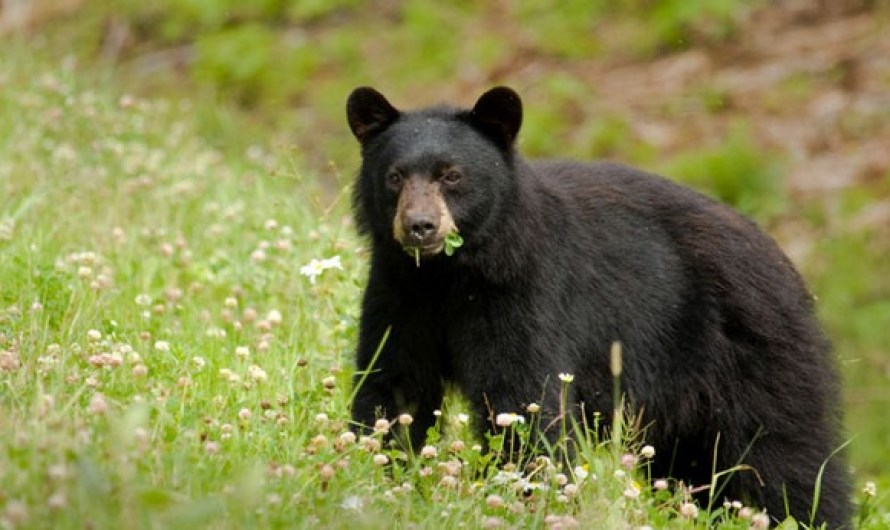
(171, 356)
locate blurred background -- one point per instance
(780, 108)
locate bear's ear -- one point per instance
(368, 112)
(498, 112)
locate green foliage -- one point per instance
(736, 172)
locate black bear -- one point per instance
(723, 356)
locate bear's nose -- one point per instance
(421, 227)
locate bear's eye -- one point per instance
(451, 177)
(394, 179)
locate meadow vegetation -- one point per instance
(179, 279)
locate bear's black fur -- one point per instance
(559, 260)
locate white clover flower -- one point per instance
(429, 451)
(317, 266)
(143, 300)
(274, 317)
(570, 490)
(566, 378)
(506, 419)
(647, 451)
(381, 426)
(463, 418)
(353, 503)
(98, 404)
(760, 521)
(256, 373)
(162, 346)
(689, 510)
(870, 489)
(494, 501)
(581, 473)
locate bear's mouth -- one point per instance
(424, 251)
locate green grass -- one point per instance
(164, 363)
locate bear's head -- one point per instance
(431, 174)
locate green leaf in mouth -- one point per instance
(453, 241)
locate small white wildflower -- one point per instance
(494, 501)
(256, 373)
(429, 451)
(566, 378)
(660, 484)
(381, 459)
(870, 489)
(689, 510)
(216, 333)
(242, 352)
(143, 300)
(760, 521)
(506, 419)
(322, 418)
(98, 404)
(244, 414)
(274, 317)
(162, 346)
(405, 419)
(347, 437)
(570, 490)
(316, 266)
(199, 362)
(94, 335)
(463, 418)
(533, 408)
(628, 461)
(229, 375)
(448, 482)
(369, 443)
(647, 451)
(57, 501)
(381, 426)
(631, 492)
(353, 503)
(581, 473)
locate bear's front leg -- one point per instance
(395, 384)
